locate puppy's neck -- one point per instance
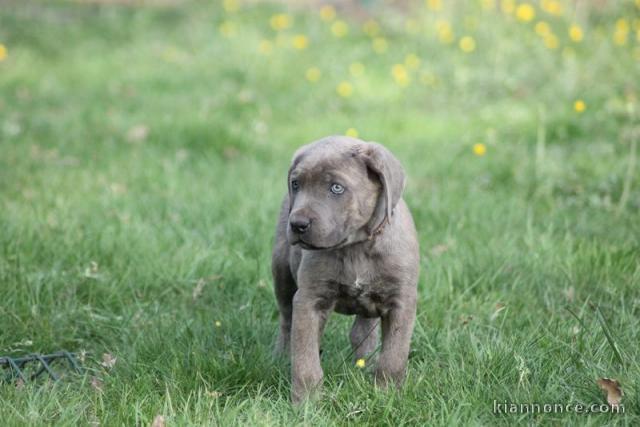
(365, 236)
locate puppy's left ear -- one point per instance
(391, 175)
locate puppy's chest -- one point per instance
(358, 288)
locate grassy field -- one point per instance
(143, 157)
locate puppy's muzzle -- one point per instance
(299, 224)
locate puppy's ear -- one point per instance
(391, 175)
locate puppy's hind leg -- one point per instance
(364, 336)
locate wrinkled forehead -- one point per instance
(329, 161)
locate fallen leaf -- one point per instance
(19, 383)
(96, 383)
(438, 250)
(108, 360)
(613, 390)
(213, 394)
(499, 307)
(92, 270)
(197, 291)
(138, 133)
(570, 294)
(158, 421)
(465, 319)
(230, 152)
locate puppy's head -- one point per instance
(341, 189)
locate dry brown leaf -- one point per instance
(230, 152)
(570, 294)
(213, 394)
(92, 270)
(138, 133)
(96, 383)
(465, 319)
(197, 291)
(108, 360)
(613, 390)
(498, 309)
(20, 383)
(158, 421)
(438, 250)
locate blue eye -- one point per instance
(295, 185)
(337, 189)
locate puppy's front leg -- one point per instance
(397, 327)
(307, 325)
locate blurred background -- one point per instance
(143, 155)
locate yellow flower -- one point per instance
(552, 7)
(621, 32)
(227, 29)
(265, 47)
(551, 41)
(230, 5)
(327, 13)
(479, 149)
(281, 21)
(3, 52)
(412, 61)
(525, 12)
(622, 25)
(434, 4)
(579, 106)
(445, 33)
(356, 69)
(508, 6)
(371, 28)
(380, 45)
(361, 363)
(339, 29)
(542, 29)
(313, 74)
(575, 33)
(353, 133)
(488, 4)
(300, 41)
(620, 38)
(218, 323)
(400, 75)
(345, 89)
(467, 44)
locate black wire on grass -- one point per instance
(17, 366)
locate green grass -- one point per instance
(546, 224)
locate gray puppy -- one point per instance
(345, 241)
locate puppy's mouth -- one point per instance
(310, 247)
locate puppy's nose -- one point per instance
(300, 225)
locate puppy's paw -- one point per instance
(386, 378)
(306, 387)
